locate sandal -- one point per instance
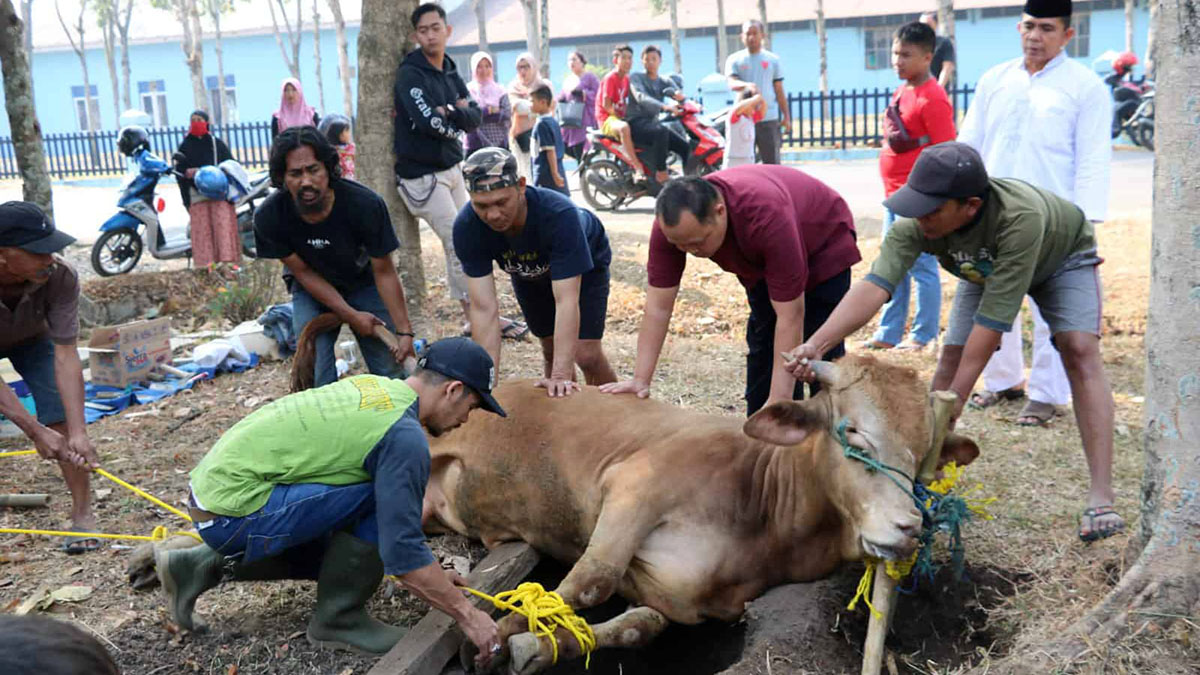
(515, 330)
(1091, 514)
(878, 345)
(1037, 414)
(81, 544)
(986, 399)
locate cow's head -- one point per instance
(888, 417)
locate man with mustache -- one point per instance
(335, 238)
(39, 324)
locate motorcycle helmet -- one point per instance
(211, 182)
(131, 138)
(1125, 62)
(332, 126)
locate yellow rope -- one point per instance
(545, 610)
(864, 589)
(18, 452)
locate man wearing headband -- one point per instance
(1004, 239)
(557, 255)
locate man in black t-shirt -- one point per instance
(336, 239)
(943, 65)
(557, 255)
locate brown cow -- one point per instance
(682, 513)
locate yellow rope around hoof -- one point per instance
(546, 611)
(160, 533)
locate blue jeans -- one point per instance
(34, 362)
(366, 299)
(929, 300)
(295, 515)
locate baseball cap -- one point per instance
(462, 359)
(25, 226)
(943, 171)
(490, 169)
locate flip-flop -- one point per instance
(986, 399)
(81, 544)
(515, 330)
(1036, 414)
(1096, 512)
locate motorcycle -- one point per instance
(1140, 124)
(1127, 93)
(706, 144)
(141, 219)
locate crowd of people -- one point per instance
(327, 484)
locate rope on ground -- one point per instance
(545, 610)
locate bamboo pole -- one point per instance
(25, 500)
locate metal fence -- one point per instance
(82, 154)
(850, 118)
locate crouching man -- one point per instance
(327, 484)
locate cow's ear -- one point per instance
(958, 449)
(783, 423)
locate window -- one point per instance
(214, 100)
(600, 54)
(87, 117)
(878, 43)
(153, 95)
(1080, 45)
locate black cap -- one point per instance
(460, 358)
(943, 171)
(1048, 9)
(490, 169)
(24, 225)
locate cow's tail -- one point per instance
(306, 349)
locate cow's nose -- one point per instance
(910, 524)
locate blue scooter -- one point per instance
(138, 221)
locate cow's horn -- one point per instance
(826, 371)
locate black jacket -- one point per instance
(428, 141)
(197, 151)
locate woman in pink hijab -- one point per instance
(293, 110)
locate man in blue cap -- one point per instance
(39, 326)
(1004, 239)
(328, 484)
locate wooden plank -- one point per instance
(435, 639)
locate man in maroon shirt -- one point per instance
(788, 237)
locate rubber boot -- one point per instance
(350, 573)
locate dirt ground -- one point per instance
(1028, 576)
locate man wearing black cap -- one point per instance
(39, 325)
(328, 484)
(557, 255)
(1003, 239)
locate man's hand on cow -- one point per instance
(364, 323)
(558, 386)
(797, 362)
(634, 386)
(483, 633)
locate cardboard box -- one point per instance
(121, 355)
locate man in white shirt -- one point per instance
(1046, 119)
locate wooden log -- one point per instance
(429, 646)
(25, 500)
(943, 407)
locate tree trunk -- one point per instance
(108, 28)
(82, 54)
(480, 7)
(543, 52)
(531, 26)
(381, 39)
(335, 7)
(317, 58)
(945, 17)
(27, 38)
(293, 37)
(675, 36)
(1155, 10)
(722, 48)
(1129, 25)
(215, 8)
(1163, 586)
(188, 15)
(123, 32)
(22, 118)
(762, 16)
(821, 44)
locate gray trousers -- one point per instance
(767, 138)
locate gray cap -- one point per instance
(490, 169)
(943, 171)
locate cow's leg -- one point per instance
(635, 628)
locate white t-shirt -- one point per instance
(739, 142)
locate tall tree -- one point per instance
(22, 117)
(675, 49)
(762, 16)
(530, 10)
(27, 37)
(722, 38)
(384, 33)
(821, 45)
(480, 9)
(294, 34)
(123, 20)
(543, 52)
(335, 7)
(214, 9)
(317, 57)
(92, 121)
(1129, 4)
(1151, 43)
(187, 13)
(107, 20)
(945, 17)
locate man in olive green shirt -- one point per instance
(1003, 239)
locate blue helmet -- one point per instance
(211, 182)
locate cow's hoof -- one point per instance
(528, 654)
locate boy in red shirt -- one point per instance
(611, 101)
(919, 115)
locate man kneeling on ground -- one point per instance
(328, 484)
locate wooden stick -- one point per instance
(943, 407)
(25, 500)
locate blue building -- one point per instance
(858, 49)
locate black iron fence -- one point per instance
(848, 118)
(82, 154)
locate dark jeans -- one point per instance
(767, 139)
(819, 302)
(379, 360)
(34, 362)
(649, 134)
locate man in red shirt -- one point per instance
(920, 115)
(788, 237)
(611, 103)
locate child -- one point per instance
(336, 129)
(612, 102)
(548, 144)
(739, 132)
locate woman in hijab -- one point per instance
(579, 85)
(213, 221)
(293, 111)
(519, 92)
(493, 101)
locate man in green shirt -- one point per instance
(328, 484)
(1003, 239)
